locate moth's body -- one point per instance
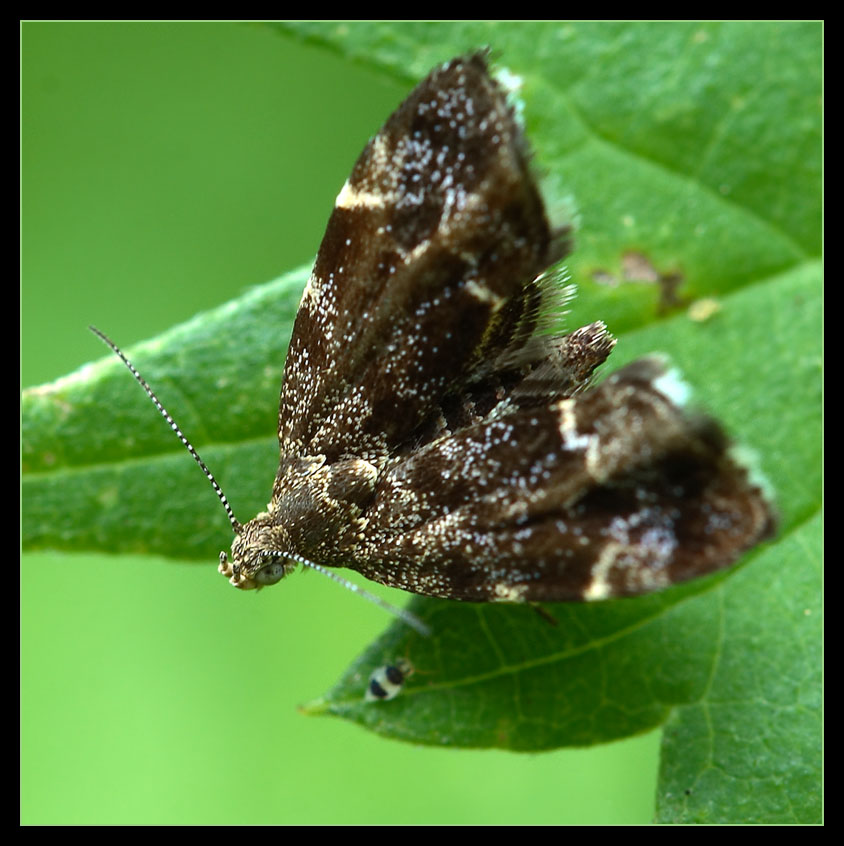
(439, 432)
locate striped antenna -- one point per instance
(410, 619)
(405, 616)
(173, 425)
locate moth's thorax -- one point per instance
(315, 513)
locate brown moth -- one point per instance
(438, 432)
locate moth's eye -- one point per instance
(272, 573)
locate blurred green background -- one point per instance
(166, 168)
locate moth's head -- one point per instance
(257, 559)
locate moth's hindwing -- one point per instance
(615, 492)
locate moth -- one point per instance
(439, 431)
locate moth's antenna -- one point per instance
(405, 616)
(173, 425)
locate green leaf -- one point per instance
(693, 146)
(100, 463)
(748, 750)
